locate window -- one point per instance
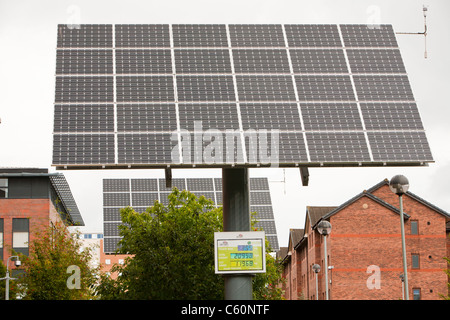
(3, 188)
(415, 261)
(20, 235)
(416, 294)
(414, 227)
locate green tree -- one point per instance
(47, 275)
(172, 250)
(447, 272)
(267, 286)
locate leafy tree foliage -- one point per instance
(46, 274)
(447, 272)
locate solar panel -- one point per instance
(133, 95)
(141, 193)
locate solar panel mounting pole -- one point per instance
(236, 217)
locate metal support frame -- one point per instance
(236, 217)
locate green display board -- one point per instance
(240, 252)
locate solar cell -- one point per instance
(83, 149)
(144, 199)
(391, 116)
(146, 117)
(375, 61)
(289, 148)
(144, 185)
(305, 35)
(199, 184)
(338, 147)
(133, 94)
(116, 199)
(142, 36)
(397, 146)
(318, 61)
(199, 35)
(143, 61)
(265, 88)
(202, 61)
(179, 183)
(84, 89)
(84, 36)
(324, 88)
(265, 61)
(212, 116)
(84, 118)
(111, 214)
(144, 148)
(115, 185)
(99, 61)
(366, 35)
(331, 116)
(383, 88)
(256, 35)
(278, 116)
(145, 89)
(205, 88)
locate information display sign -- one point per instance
(240, 252)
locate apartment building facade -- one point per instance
(32, 199)
(364, 249)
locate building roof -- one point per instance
(368, 193)
(413, 196)
(58, 182)
(316, 213)
(282, 253)
(296, 235)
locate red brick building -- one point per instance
(31, 199)
(364, 249)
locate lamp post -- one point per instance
(316, 269)
(7, 278)
(324, 228)
(402, 279)
(399, 185)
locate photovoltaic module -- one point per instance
(233, 95)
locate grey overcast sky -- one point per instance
(28, 30)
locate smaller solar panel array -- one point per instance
(142, 193)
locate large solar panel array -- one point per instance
(142, 193)
(331, 95)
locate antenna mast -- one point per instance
(424, 33)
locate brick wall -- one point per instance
(365, 250)
(39, 211)
(367, 233)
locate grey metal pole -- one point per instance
(236, 217)
(317, 288)
(405, 272)
(326, 266)
(7, 285)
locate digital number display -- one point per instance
(241, 255)
(242, 263)
(248, 247)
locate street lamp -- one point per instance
(316, 269)
(399, 185)
(324, 228)
(7, 278)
